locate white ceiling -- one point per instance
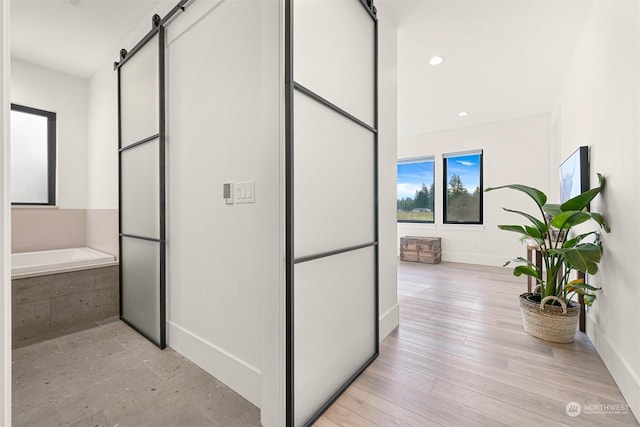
(504, 58)
(74, 36)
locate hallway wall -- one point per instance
(223, 126)
(387, 151)
(599, 104)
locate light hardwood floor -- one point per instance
(460, 357)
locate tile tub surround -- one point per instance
(44, 228)
(110, 375)
(48, 306)
(103, 230)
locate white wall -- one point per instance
(223, 125)
(387, 147)
(600, 107)
(515, 152)
(67, 96)
(102, 160)
(102, 142)
(5, 221)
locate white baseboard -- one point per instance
(389, 321)
(474, 258)
(622, 372)
(235, 373)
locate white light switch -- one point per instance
(244, 192)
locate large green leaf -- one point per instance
(533, 232)
(576, 240)
(519, 259)
(588, 299)
(541, 226)
(584, 257)
(515, 228)
(557, 252)
(600, 220)
(571, 242)
(538, 196)
(552, 209)
(569, 219)
(581, 201)
(527, 271)
(580, 286)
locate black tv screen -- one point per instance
(574, 174)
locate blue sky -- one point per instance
(411, 176)
(468, 167)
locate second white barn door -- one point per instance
(332, 235)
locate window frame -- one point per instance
(445, 187)
(51, 153)
(420, 159)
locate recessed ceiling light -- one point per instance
(463, 114)
(436, 60)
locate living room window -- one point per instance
(416, 190)
(462, 187)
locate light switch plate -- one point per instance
(244, 192)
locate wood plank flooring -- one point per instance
(460, 357)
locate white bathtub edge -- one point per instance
(63, 270)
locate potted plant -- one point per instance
(550, 313)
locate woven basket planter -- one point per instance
(549, 322)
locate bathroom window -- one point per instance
(463, 187)
(416, 190)
(33, 156)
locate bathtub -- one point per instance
(31, 264)
(60, 291)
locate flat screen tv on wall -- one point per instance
(574, 174)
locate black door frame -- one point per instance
(158, 27)
(158, 30)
